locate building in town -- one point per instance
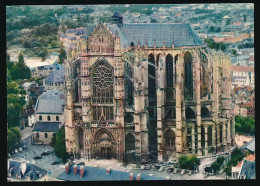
(49, 116)
(245, 169)
(55, 80)
(146, 91)
(23, 171)
(243, 76)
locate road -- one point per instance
(26, 133)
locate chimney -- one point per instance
(81, 171)
(138, 177)
(131, 176)
(108, 170)
(75, 168)
(67, 167)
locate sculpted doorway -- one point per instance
(104, 145)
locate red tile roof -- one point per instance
(250, 157)
(242, 69)
(248, 105)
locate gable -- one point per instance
(100, 41)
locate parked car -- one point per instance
(183, 171)
(37, 157)
(148, 167)
(15, 151)
(170, 170)
(81, 163)
(162, 168)
(47, 152)
(55, 163)
(20, 149)
(156, 167)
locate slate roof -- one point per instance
(15, 167)
(46, 126)
(56, 76)
(64, 36)
(50, 102)
(179, 34)
(99, 174)
(250, 145)
(248, 169)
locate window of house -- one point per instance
(37, 135)
(57, 118)
(40, 118)
(46, 135)
(49, 118)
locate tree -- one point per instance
(233, 52)
(13, 137)
(215, 166)
(245, 19)
(188, 161)
(53, 140)
(228, 22)
(153, 20)
(62, 55)
(60, 147)
(20, 70)
(211, 29)
(27, 44)
(218, 29)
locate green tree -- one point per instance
(20, 70)
(62, 56)
(211, 29)
(228, 21)
(188, 161)
(218, 29)
(13, 138)
(233, 52)
(60, 146)
(153, 20)
(53, 140)
(215, 166)
(245, 19)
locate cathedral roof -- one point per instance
(46, 127)
(177, 34)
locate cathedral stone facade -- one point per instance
(136, 92)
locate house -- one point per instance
(243, 75)
(49, 116)
(40, 68)
(54, 55)
(250, 146)
(245, 169)
(23, 171)
(55, 80)
(26, 86)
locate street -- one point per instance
(55, 170)
(26, 132)
(44, 162)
